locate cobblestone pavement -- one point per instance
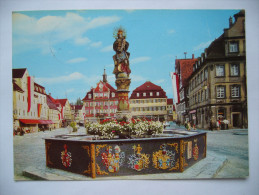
(29, 150)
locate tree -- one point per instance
(79, 102)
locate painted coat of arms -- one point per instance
(66, 157)
(138, 161)
(195, 150)
(163, 159)
(111, 160)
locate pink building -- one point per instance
(101, 102)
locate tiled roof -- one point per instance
(86, 96)
(78, 107)
(17, 88)
(186, 69)
(106, 86)
(62, 101)
(51, 104)
(19, 72)
(170, 101)
(148, 87)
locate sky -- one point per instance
(67, 51)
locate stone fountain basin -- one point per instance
(92, 156)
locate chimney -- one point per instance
(230, 21)
(192, 56)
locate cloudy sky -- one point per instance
(67, 51)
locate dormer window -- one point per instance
(193, 68)
(233, 47)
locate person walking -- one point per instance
(218, 124)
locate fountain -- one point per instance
(125, 146)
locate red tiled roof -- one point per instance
(78, 107)
(86, 96)
(186, 68)
(106, 86)
(51, 103)
(61, 101)
(170, 101)
(148, 87)
(19, 72)
(17, 88)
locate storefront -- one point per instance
(34, 125)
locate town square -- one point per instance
(124, 95)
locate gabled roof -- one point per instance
(103, 89)
(61, 101)
(78, 107)
(17, 88)
(51, 103)
(19, 72)
(186, 69)
(148, 87)
(86, 96)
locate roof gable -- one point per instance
(19, 72)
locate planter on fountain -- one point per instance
(90, 156)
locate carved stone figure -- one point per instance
(121, 58)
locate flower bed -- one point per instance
(109, 129)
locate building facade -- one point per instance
(149, 101)
(101, 102)
(217, 87)
(53, 113)
(30, 109)
(183, 70)
(79, 113)
(66, 111)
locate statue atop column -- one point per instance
(122, 72)
(121, 58)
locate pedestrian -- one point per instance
(226, 123)
(218, 124)
(211, 125)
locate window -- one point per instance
(206, 73)
(151, 93)
(220, 91)
(201, 76)
(144, 94)
(137, 94)
(101, 95)
(220, 70)
(235, 91)
(234, 70)
(113, 94)
(201, 96)
(89, 96)
(157, 93)
(233, 47)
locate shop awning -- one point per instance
(34, 121)
(29, 121)
(45, 122)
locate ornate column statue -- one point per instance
(122, 72)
